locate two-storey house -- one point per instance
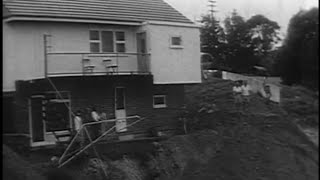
(123, 57)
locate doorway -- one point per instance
(47, 116)
(36, 119)
(120, 109)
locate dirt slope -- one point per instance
(16, 168)
(258, 143)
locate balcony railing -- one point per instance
(74, 63)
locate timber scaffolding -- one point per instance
(67, 156)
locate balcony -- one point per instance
(86, 64)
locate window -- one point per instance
(159, 101)
(107, 41)
(176, 42)
(94, 41)
(120, 42)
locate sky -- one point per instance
(277, 10)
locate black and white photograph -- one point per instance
(160, 89)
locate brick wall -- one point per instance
(21, 110)
(98, 91)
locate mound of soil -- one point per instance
(259, 142)
(16, 168)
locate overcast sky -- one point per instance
(277, 10)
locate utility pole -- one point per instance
(212, 5)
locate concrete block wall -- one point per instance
(99, 92)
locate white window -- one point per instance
(120, 42)
(95, 41)
(107, 41)
(176, 42)
(159, 101)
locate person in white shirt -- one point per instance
(95, 133)
(95, 115)
(77, 121)
(237, 93)
(77, 127)
(245, 90)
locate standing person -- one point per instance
(237, 94)
(245, 90)
(77, 127)
(268, 93)
(95, 128)
(94, 115)
(103, 116)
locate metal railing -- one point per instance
(88, 63)
(61, 161)
(83, 63)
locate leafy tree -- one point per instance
(299, 55)
(240, 44)
(212, 39)
(239, 54)
(263, 33)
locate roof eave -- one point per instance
(167, 23)
(75, 20)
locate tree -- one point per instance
(239, 53)
(212, 39)
(240, 44)
(263, 33)
(300, 52)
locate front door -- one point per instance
(37, 123)
(142, 50)
(120, 109)
(48, 116)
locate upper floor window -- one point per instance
(107, 41)
(176, 42)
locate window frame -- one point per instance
(157, 106)
(114, 40)
(176, 46)
(95, 41)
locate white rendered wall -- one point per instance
(171, 65)
(23, 57)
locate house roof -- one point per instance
(119, 10)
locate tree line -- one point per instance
(241, 45)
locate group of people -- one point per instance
(241, 93)
(91, 116)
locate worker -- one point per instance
(77, 127)
(237, 94)
(94, 115)
(103, 116)
(268, 93)
(95, 130)
(245, 91)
